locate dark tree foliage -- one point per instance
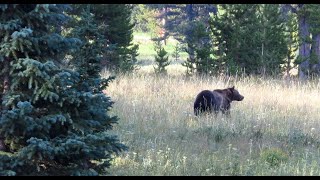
(182, 22)
(249, 38)
(54, 121)
(291, 38)
(119, 35)
(314, 21)
(201, 43)
(161, 59)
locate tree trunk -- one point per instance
(304, 49)
(288, 65)
(164, 21)
(315, 51)
(190, 17)
(191, 54)
(317, 47)
(190, 12)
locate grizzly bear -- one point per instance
(216, 100)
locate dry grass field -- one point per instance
(273, 131)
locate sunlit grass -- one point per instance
(277, 119)
(147, 51)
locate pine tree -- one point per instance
(272, 40)
(53, 120)
(176, 52)
(236, 36)
(117, 17)
(93, 119)
(203, 49)
(143, 18)
(249, 37)
(303, 58)
(87, 61)
(314, 21)
(220, 34)
(194, 20)
(181, 20)
(291, 38)
(200, 42)
(161, 60)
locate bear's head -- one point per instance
(234, 94)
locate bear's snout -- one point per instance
(238, 97)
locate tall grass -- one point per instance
(273, 131)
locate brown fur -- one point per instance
(216, 100)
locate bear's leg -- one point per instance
(215, 110)
(226, 113)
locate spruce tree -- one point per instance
(161, 60)
(221, 35)
(181, 22)
(236, 36)
(176, 52)
(241, 50)
(54, 121)
(93, 118)
(314, 21)
(291, 38)
(271, 39)
(202, 46)
(123, 56)
(143, 17)
(249, 38)
(200, 42)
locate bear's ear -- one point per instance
(232, 88)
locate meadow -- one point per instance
(147, 50)
(273, 131)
